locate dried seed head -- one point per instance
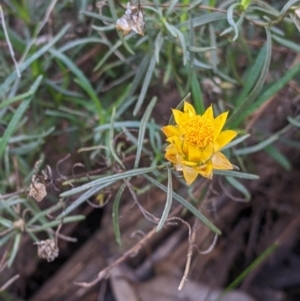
(37, 190)
(133, 19)
(47, 249)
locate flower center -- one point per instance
(198, 131)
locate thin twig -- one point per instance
(9, 282)
(148, 216)
(210, 248)
(134, 250)
(64, 237)
(231, 196)
(189, 253)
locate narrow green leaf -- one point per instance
(272, 90)
(144, 122)
(236, 174)
(294, 121)
(55, 223)
(168, 204)
(17, 116)
(256, 148)
(85, 196)
(171, 7)
(104, 28)
(278, 157)
(295, 20)
(22, 138)
(214, 60)
(197, 94)
(15, 249)
(194, 4)
(82, 79)
(240, 187)
(15, 99)
(146, 83)
(200, 65)
(6, 223)
(288, 6)
(109, 180)
(81, 42)
(111, 139)
(200, 49)
(203, 20)
(139, 77)
(115, 214)
(178, 34)
(187, 205)
(8, 208)
(170, 28)
(34, 57)
(249, 269)
(159, 40)
(97, 16)
(6, 238)
(123, 124)
(236, 118)
(231, 21)
(111, 50)
(40, 215)
(287, 43)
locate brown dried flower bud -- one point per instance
(37, 190)
(132, 20)
(47, 249)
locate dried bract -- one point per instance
(37, 190)
(47, 249)
(133, 19)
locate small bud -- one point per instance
(19, 224)
(47, 249)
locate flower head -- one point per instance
(196, 141)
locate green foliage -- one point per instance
(97, 89)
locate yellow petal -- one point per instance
(171, 153)
(207, 152)
(179, 116)
(209, 114)
(219, 123)
(219, 161)
(189, 174)
(205, 170)
(189, 109)
(193, 153)
(170, 130)
(177, 142)
(196, 155)
(224, 138)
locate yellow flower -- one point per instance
(196, 141)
